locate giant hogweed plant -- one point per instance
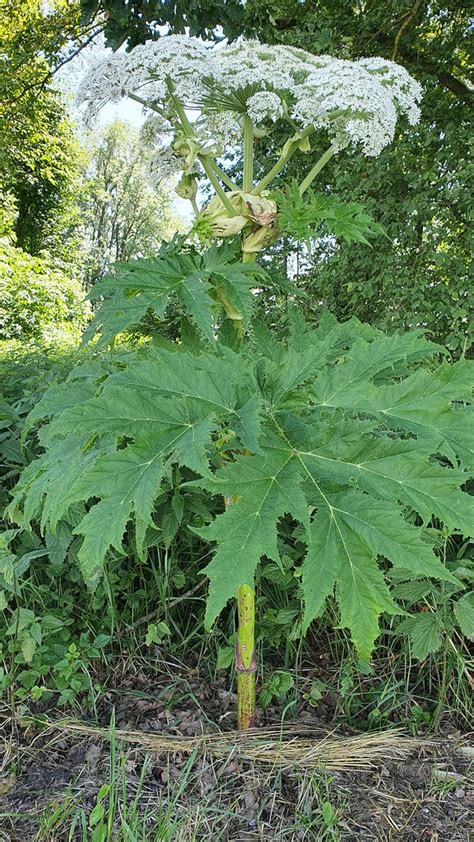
(357, 439)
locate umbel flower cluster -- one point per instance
(357, 102)
(206, 100)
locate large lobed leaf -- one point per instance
(147, 284)
(338, 428)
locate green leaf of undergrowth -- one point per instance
(425, 633)
(464, 614)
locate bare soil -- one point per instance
(428, 796)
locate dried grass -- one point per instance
(283, 747)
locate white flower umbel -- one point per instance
(251, 64)
(155, 130)
(234, 89)
(264, 105)
(367, 95)
(350, 103)
(103, 83)
(220, 130)
(162, 164)
(404, 90)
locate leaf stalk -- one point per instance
(309, 178)
(283, 159)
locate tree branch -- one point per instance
(407, 19)
(76, 52)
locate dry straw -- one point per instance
(283, 747)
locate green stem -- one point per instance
(308, 180)
(179, 109)
(245, 654)
(207, 167)
(245, 658)
(223, 176)
(281, 163)
(147, 104)
(207, 164)
(248, 155)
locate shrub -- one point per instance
(37, 296)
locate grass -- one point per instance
(126, 811)
(137, 790)
(290, 747)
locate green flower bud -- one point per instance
(263, 211)
(259, 239)
(221, 223)
(249, 207)
(187, 186)
(228, 226)
(187, 148)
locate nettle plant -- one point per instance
(355, 439)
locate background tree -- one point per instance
(40, 157)
(135, 21)
(124, 216)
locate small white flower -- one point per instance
(264, 105)
(164, 163)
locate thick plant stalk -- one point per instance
(245, 653)
(245, 658)
(248, 155)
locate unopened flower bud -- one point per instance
(187, 186)
(261, 210)
(259, 239)
(222, 224)
(228, 226)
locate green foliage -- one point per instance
(464, 614)
(302, 217)
(38, 648)
(42, 575)
(279, 683)
(26, 372)
(40, 158)
(134, 23)
(197, 281)
(439, 610)
(347, 435)
(38, 296)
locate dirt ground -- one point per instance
(427, 796)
